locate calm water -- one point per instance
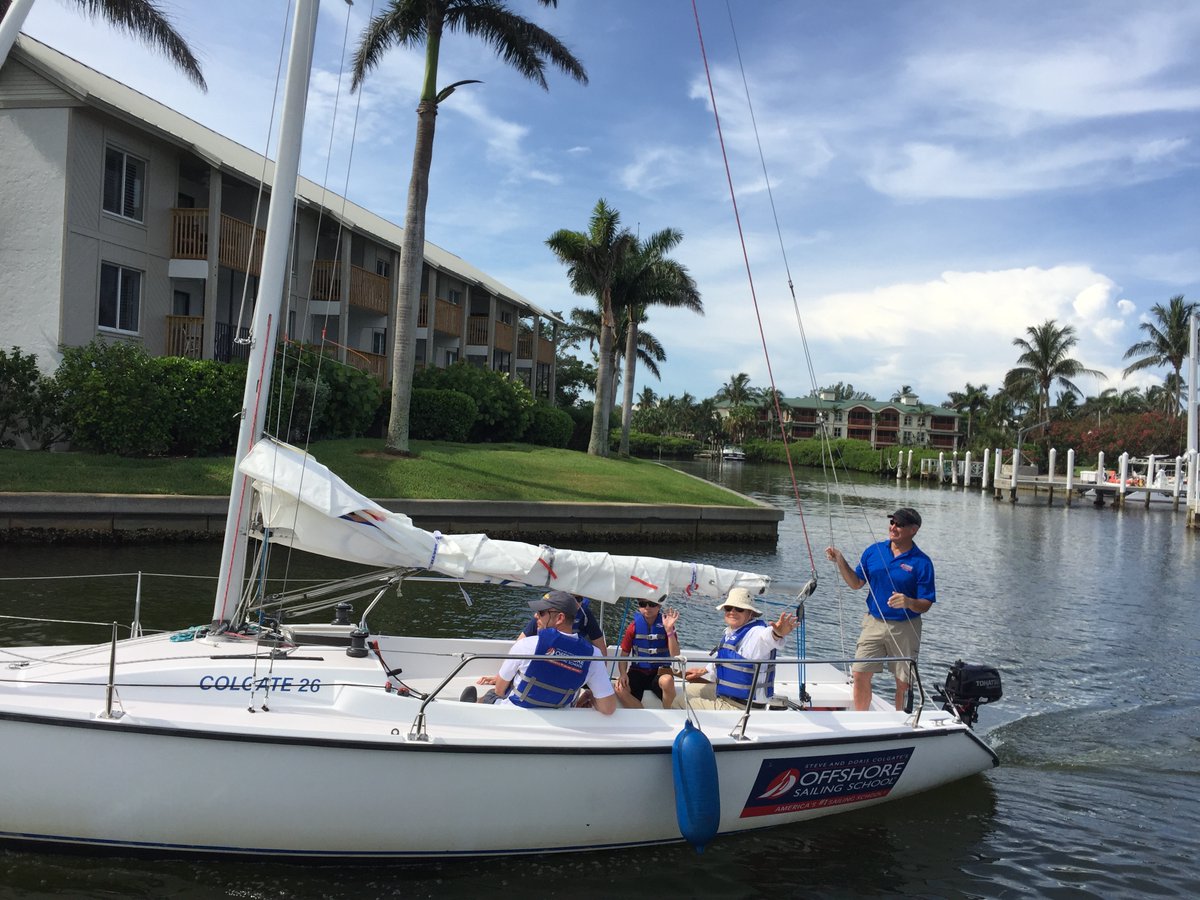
(1089, 614)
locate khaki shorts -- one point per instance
(883, 637)
(703, 695)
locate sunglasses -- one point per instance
(900, 524)
(737, 609)
(648, 603)
(545, 612)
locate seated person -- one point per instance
(653, 638)
(727, 684)
(585, 624)
(547, 682)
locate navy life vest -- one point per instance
(650, 640)
(736, 681)
(549, 683)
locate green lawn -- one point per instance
(439, 471)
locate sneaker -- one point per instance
(469, 694)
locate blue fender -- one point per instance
(697, 791)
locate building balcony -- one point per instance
(241, 243)
(185, 336)
(373, 364)
(447, 316)
(504, 336)
(368, 291)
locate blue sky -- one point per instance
(944, 174)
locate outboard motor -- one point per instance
(967, 688)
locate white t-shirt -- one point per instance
(757, 644)
(597, 675)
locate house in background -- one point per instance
(125, 219)
(903, 422)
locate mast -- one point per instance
(265, 328)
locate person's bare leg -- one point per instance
(862, 691)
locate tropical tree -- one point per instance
(593, 259)
(1044, 361)
(1166, 342)
(140, 18)
(841, 391)
(649, 278)
(737, 391)
(408, 23)
(1165, 397)
(904, 390)
(969, 401)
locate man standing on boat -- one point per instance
(900, 588)
(727, 683)
(549, 682)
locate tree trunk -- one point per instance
(408, 290)
(598, 444)
(627, 399)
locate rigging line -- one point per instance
(262, 178)
(753, 295)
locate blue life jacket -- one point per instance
(650, 640)
(549, 683)
(737, 681)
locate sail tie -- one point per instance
(548, 566)
(693, 584)
(437, 542)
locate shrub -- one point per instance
(113, 400)
(654, 446)
(549, 427)
(21, 395)
(437, 415)
(505, 406)
(205, 398)
(314, 396)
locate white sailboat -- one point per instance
(261, 737)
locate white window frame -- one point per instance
(123, 274)
(135, 211)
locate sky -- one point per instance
(934, 177)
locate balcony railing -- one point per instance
(225, 349)
(545, 351)
(504, 336)
(525, 345)
(185, 336)
(477, 330)
(241, 244)
(371, 363)
(367, 290)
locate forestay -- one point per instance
(306, 507)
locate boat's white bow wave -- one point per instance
(308, 507)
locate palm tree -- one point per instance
(593, 259)
(520, 43)
(649, 278)
(1044, 362)
(140, 18)
(1166, 342)
(970, 400)
(737, 391)
(904, 390)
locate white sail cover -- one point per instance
(307, 507)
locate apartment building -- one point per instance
(123, 218)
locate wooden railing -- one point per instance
(367, 290)
(477, 330)
(326, 280)
(371, 363)
(447, 317)
(185, 336)
(504, 336)
(241, 243)
(545, 351)
(423, 312)
(525, 345)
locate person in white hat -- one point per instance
(728, 683)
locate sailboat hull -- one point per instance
(341, 772)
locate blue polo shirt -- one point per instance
(910, 573)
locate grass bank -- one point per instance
(439, 471)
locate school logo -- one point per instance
(816, 782)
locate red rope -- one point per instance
(753, 294)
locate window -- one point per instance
(455, 296)
(379, 341)
(120, 297)
(383, 268)
(124, 184)
(506, 317)
(908, 420)
(451, 357)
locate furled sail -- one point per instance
(307, 507)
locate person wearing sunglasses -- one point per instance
(900, 588)
(549, 681)
(585, 625)
(728, 683)
(652, 639)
